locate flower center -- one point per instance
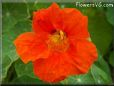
(58, 36)
(58, 41)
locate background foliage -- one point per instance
(16, 19)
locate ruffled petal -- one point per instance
(55, 68)
(83, 53)
(30, 46)
(75, 24)
(47, 20)
(56, 16)
(41, 21)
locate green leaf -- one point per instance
(16, 10)
(97, 74)
(111, 58)
(79, 79)
(101, 63)
(110, 15)
(41, 5)
(24, 69)
(100, 31)
(14, 23)
(25, 73)
(6, 63)
(100, 76)
(26, 80)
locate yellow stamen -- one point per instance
(58, 41)
(55, 38)
(61, 35)
(58, 36)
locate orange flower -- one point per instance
(59, 45)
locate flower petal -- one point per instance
(41, 21)
(55, 68)
(48, 19)
(83, 53)
(56, 16)
(31, 46)
(75, 24)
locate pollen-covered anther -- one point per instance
(58, 41)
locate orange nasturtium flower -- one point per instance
(58, 45)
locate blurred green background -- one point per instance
(17, 18)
